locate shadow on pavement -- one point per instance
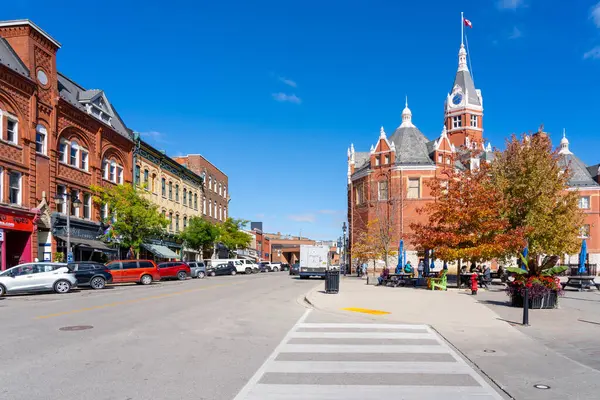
(510, 322)
(504, 303)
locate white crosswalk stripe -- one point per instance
(364, 361)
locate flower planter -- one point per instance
(547, 301)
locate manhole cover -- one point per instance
(75, 328)
(489, 351)
(543, 387)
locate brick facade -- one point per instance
(215, 202)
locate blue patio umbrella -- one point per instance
(432, 266)
(582, 257)
(400, 260)
(525, 254)
(445, 265)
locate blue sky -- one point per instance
(273, 92)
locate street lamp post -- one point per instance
(60, 199)
(344, 248)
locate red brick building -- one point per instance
(57, 138)
(215, 199)
(389, 182)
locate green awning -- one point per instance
(160, 251)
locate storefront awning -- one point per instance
(160, 251)
(93, 244)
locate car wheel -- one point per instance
(62, 286)
(212, 273)
(233, 272)
(146, 280)
(248, 271)
(275, 269)
(200, 275)
(2, 291)
(98, 282)
(181, 275)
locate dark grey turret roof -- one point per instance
(411, 146)
(580, 175)
(465, 81)
(9, 58)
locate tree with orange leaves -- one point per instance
(466, 221)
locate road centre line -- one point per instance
(132, 301)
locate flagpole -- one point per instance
(462, 28)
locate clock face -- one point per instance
(42, 78)
(457, 99)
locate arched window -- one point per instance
(185, 197)
(210, 208)
(204, 206)
(177, 223)
(195, 201)
(170, 221)
(113, 171)
(146, 178)
(225, 213)
(153, 183)
(184, 223)
(170, 190)
(177, 193)
(163, 183)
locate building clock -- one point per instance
(457, 99)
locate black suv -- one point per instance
(285, 267)
(92, 274)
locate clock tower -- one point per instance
(464, 108)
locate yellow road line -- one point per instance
(366, 311)
(132, 301)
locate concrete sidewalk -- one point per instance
(512, 360)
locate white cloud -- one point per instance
(593, 54)
(154, 136)
(595, 14)
(287, 81)
(328, 212)
(510, 4)
(515, 34)
(290, 98)
(303, 217)
(260, 215)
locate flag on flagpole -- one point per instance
(468, 23)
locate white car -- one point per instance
(250, 267)
(37, 277)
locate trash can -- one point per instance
(332, 281)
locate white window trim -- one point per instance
(87, 159)
(41, 129)
(204, 206)
(20, 195)
(474, 120)
(87, 203)
(588, 202)
(409, 188)
(13, 118)
(379, 184)
(66, 153)
(74, 146)
(457, 121)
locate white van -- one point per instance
(240, 265)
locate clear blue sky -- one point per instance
(273, 92)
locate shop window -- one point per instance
(40, 139)
(14, 186)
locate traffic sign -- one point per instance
(70, 257)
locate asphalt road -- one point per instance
(197, 339)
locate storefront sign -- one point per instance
(15, 223)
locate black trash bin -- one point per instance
(332, 281)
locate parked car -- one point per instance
(285, 267)
(265, 266)
(295, 269)
(276, 266)
(197, 269)
(250, 266)
(92, 274)
(37, 277)
(222, 269)
(174, 269)
(138, 271)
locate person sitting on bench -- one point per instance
(384, 276)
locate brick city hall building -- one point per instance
(56, 138)
(389, 182)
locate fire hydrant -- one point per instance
(474, 284)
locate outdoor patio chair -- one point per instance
(440, 282)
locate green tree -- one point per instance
(537, 200)
(200, 234)
(231, 235)
(136, 218)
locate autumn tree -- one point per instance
(364, 248)
(135, 218)
(466, 221)
(534, 183)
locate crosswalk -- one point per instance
(364, 361)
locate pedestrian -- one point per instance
(420, 268)
(364, 269)
(408, 268)
(384, 276)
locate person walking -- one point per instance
(420, 268)
(364, 269)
